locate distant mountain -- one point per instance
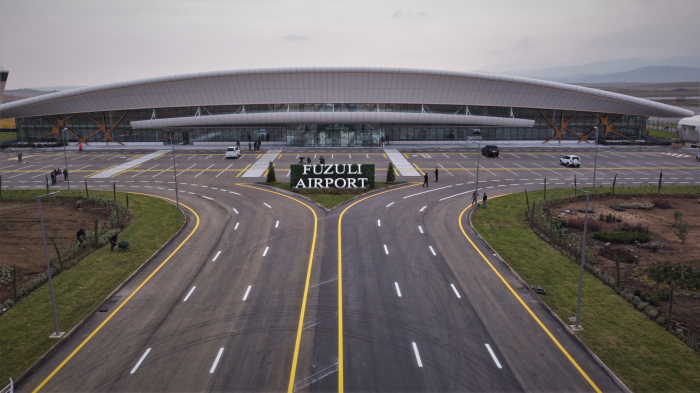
(592, 68)
(659, 74)
(57, 88)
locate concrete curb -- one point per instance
(566, 327)
(83, 321)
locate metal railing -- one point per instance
(9, 388)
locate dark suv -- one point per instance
(490, 150)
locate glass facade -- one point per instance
(94, 126)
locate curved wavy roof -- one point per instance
(336, 85)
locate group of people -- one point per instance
(56, 173)
(255, 145)
(321, 160)
(384, 141)
(475, 195)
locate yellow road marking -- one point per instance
(405, 155)
(419, 170)
(551, 336)
(384, 155)
(300, 328)
(259, 155)
(60, 366)
(244, 169)
(341, 376)
(265, 174)
(99, 171)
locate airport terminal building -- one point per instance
(331, 107)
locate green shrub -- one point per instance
(637, 205)
(618, 208)
(628, 227)
(622, 237)
(668, 273)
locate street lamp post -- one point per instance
(583, 259)
(478, 158)
(177, 197)
(66, 157)
(57, 333)
(595, 163)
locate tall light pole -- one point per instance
(177, 197)
(64, 155)
(476, 191)
(595, 163)
(583, 259)
(57, 333)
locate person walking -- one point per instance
(65, 174)
(80, 148)
(249, 146)
(53, 178)
(113, 240)
(485, 198)
(19, 158)
(436, 174)
(475, 197)
(238, 143)
(425, 180)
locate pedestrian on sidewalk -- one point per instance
(19, 158)
(65, 174)
(249, 145)
(436, 174)
(80, 148)
(425, 180)
(475, 197)
(485, 198)
(53, 178)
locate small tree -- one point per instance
(617, 270)
(391, 174)
(681, 230)
(271, 174)
(97, 236)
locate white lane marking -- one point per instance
(267, 205)
(231, 192)
(224, 170)
(398, 291)
(265, 252)
(456, 293)
(433, 251)
(443, 168)
(217, 255)
(216, 361)
(386, 250)
(390, 204)
(247, 291)
(415, 350)
(189, 293)
(422, 208)
(379, 223)
(236, 227)
(367, 155)
(435, 189)
(288, 173)
(133, 370)
(493, 355)
(206, 197)
(234, 209)
(461, 193)
(420, 229)
(277, 224)
(203, 170)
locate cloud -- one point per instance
(398, 14)
(295, 38)
(523, 45)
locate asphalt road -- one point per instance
(266, 292)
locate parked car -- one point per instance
(233, 152)
(490, 151)
(570, 161)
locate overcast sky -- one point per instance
(76, 43)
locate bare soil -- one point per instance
(21, 241)
(635, 259)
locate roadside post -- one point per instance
(577, 326)
(64, 155)
(57, 333)
(478, 159)
(177, 197)
(595, 163)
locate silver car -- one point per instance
(570, 161)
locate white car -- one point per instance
(233, 152)
(570, 161)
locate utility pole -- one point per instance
(595, 164)
(65, 157)
(57, 333)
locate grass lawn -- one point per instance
(641, 353)
(6, 136)
(25, 328)
(330, 201)
(662, 134)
